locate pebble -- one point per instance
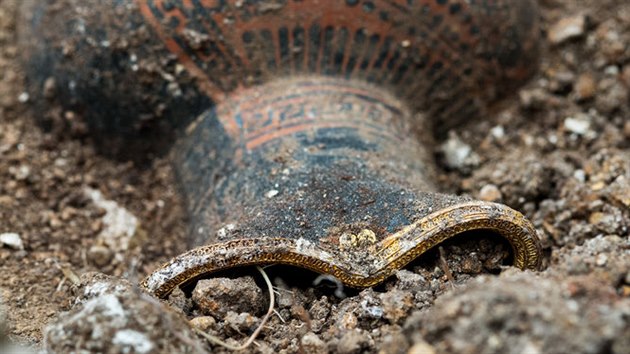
(611, 95)
(580, 175)
(272, 193)
(319, 311)
(585, 87)
(408, 280)
(119, 224)
(371, 305)
(100, 255)
(394, 342)
(396, 305)
(242, 322)
(580, 124)
(203, 323)
(421, 348)
(23, 97)
(179, 301)
(20, 173)
(311, 343)
(352, 342)
(217, 296)
(610, 221)
(11, 240)
(50, 87)
(567, 28)
(458, 155)
(611, 70)
(498, 132)
(533, 98)
(490, 193)
(601, 260)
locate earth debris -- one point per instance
(558, 153)
(218, 296)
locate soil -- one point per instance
(559, 152)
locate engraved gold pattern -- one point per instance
(421, 236)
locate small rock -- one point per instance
(223, 232)
(11, 240)
(580, 124)
(371, 306)
(458, 155)
(612, 94)
(490, 193)
(466, 320)
(116, 318)
(94, 284)
(535, 98)
(421, 348)
(178, 300)
(471, 265)
(585, 87)
(352, 342)
(23, 97)
(242, 322)
(567, 28)
(272, 193)
(580, 175)
(100, 255)
(311, 343)
(50, 87)
(217, 296)
(601, 260)
(393, 342)
(319, 312)
(20, 173)
(408, 280)
(498, 132)
(610, 222)
(204, 323)
(561, 81)
(347, 321)
(119, 225)
(396, 305)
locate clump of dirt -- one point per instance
(559, 153)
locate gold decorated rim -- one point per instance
(387, 256)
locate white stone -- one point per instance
(498, 132)
(119, 224)
(11, 240)
(580, 175)
(579, 125)
(24, 97)
(272, 193)
(130, 338)
(457, 154)
(225, 230)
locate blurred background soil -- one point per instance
(559, 152)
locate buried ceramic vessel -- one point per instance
(303, 129)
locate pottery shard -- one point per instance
(217, 296)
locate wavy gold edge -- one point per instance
(395, 251)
